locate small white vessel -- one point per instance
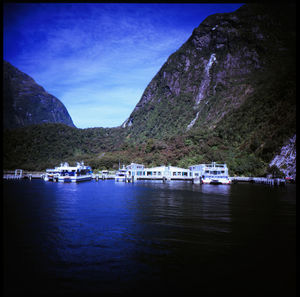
(215, 174)
(121, 175)
(66, 173)
(51, 174)
(210, 173)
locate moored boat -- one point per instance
(215, 174)
(210, 173)
(121, 175)
(51, 174)
(66, 173)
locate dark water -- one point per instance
(147, 238)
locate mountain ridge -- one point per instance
(27, 103)
(224, 50)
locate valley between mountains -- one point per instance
(228, 94)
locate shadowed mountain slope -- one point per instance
(26, 103)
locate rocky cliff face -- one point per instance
(226, 61)
(286, 159)
(26, 103)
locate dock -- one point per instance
(20, 174)
(259, 180)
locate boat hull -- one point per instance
(49, 177)
(221, 181)
(120, 179)
(81, 178)
(74, 179)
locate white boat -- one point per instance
(51, 174)
(210, 173)
(215, 174)
(66, 173)
(104, 174)
(121, 175)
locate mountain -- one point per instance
(228, 94)
(230, 67)
(26, 103)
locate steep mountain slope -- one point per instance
(224, 74)
(26, 103)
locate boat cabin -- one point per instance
(135, 169)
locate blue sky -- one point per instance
(98, 58)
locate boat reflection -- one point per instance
(216, 189)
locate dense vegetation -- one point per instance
(37, 147)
